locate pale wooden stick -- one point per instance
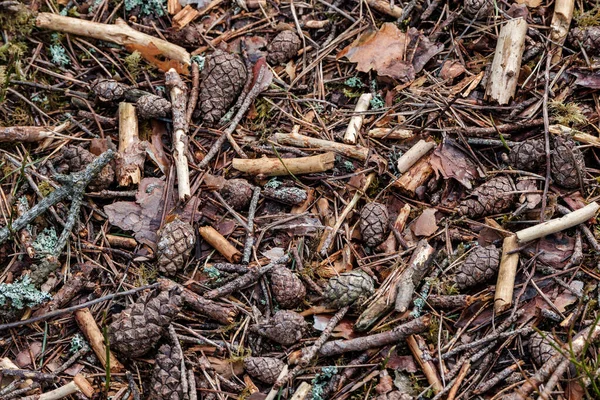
(385, 6)
(411, 277)
(273, 391)
(29, 133)
(295, 139)
(416, 176)
(178, 91)
(577, 135)
(506, 275)
(6, 363)
(302, 392)
(90, 329)
(129, 162)
(558, 224)
(119, 33)
(220, 243)
(277, 167)
(559, 27)
(403, 215)
(356, 121)
(416, 344)
(78, 384)
(504, 73)
(414, 154)
(391, 133)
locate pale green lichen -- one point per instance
(212, 272)
(58, 55)
(354, 82)
(147, 7)
(21, 294)
(77, 343)
(320, 381)
(200, 60)
(377, 102)
(272, 184)
(45, 243)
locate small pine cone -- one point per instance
(529, 155)
(166, 378)
(492, 197)
(374, 221)
(175, 242)
(287, 288)
(223, 78)
(283, 47)
(76, 158)
(237, 193)
(108, 89)
(349, 287)
(395, 395)
(479, 9)
(285, 327)
(481, 265)
(588, 37)
(153, 106)
(568, 165)
(541, 347)
(265, 369)
(140, 326)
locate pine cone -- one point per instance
(541, 347)
(108, 89)
(140, 326)
(152, 106)
(374, 221)
(223, 78)
(479, 9)
(346, 288)
(285, 327)
(529, 155)
(287, 288)
(568, 165)
(166, 378)
(588, 37)
(265, 369)
(395, 395)
(75, 158)
(237, 193)
(283, 47)
(175, 242)
(481, 265)
(492, 197)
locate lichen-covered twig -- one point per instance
(175, 340)
(250, 238)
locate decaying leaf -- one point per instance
(391, 52)
(425, 225)
(449, 161)
(531, 199)
(452, 69)
(153, 55)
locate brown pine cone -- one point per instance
(395, 395)
(529, 155)
(175, 242)
(374, 221)
(237, 193)
(349, 287)
(588, 37)
(285, 327)
(140, 326)
(166, 378)
(479, 9)
(75, 158)
(153, 106)
(492, 197)
(567, 163)
(108, 89)
(283, 47)
(223, 78)
(265, 369)
(481, 264)
(287, 288)
(542, 347)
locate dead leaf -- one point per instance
(449, 161)
(532, 199)
(274, 254)
(154, 56)
(452, 69)
(386, 383)
(302, 226)
(343, 329)
(566, 298)
(587, 80)
(23, 359)
(425, 224)
(554, 250)
(392, 52)
(402, 363)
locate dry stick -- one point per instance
(245, 280)
(191, 106)
(418, 348)
(414, 154)
(506, 274)
(233, 213)
(391, 133)
(132, 386)
(78, 385)
(295, 139)
(356, 121)
(178, 91)
(499, 377)
(131, 158)
(29, 133)
(27, 374)
(504, 74)
(220, 243)
(412, 276)
(90, 329)
(182, 371)
(414, 177)
(504, 128)
(554, 378)
(577, 135)
(250, 237)
(287, 166)
(559, 27)
(464, 370)
(386, 7)
(496, 336)
(192, 385)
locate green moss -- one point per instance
(21, 21)
(45, 188)
(568, 114)
(133, 63)
(589, 18)
(12, 50)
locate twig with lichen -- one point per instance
(250, 238)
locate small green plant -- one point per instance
(589, 18)
(21, 294)
(567, 113)
(133, 63)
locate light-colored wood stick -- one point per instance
(78, 384)
(416, 344)
(504, 73)
(221, 244)
(559, 27)
(295, 139)
(302, 392)
(131, 157)
(90, 329)
(391, 133)
(30, 133)
(285, 166)
(414, 154)
(119, 33)
(385, 6)
(416, 176)
(558, 224)
(6, 363)
(411, 277)
(403, 215)
(178, 91)
(577, 135)
(356, 121)
(506, 275)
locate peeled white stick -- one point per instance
(356, 122)
(413, 155)
(558, 224)
(78, 384)
(559, 28)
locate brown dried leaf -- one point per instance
(452, 69)
(425, 224)
(153, 55)
(532, 199)
(402, 363)
(392, 52)
(449, 161)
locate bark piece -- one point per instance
(559, 27)
(131, 156)
(506, 274)
(415, 177)
(222, 245)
